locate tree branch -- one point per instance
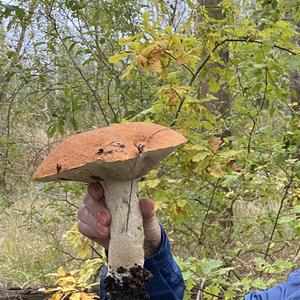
(287, 187)
(208, 57)
(98, 101)
(258, 112)
(208, 210)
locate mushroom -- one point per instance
(117, 156)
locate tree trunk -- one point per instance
(214, 9)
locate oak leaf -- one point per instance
(154, 61)
(215, 171)
(215, 144)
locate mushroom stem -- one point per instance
(126, 245)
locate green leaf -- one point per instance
(20, 13)
(61, 126)
(10, 75)
(51, 48)
(51, 131)
(296, 209)
(10, 24)
(209, 265)
(72, 46)
(230, 180)
(152, 183)
(200, 156)
(10, 54)
(286, 219)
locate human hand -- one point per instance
(94, 220)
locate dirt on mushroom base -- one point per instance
(131, 287)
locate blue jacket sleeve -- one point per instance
(167, 282)
(290, 290)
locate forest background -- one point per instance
(226, 74)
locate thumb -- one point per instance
(148, 209)
(151, 226)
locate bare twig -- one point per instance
(254, 120)
(45, 273)
(184, 65)
(98, 101)
(208, 210)
(287, 187)
(140, 149)
(108, 101)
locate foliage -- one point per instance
(75, 283)
(226, 78)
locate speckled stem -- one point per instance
(126, 245)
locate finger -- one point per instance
(96, 191)
(101, 232)
(87, 231)
(96, 228)
(85, 217)
(98, 210)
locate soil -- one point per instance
(129, 287)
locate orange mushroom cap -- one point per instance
(116, 152)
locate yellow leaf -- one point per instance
(67, 281)
(215, 144)
(85, 296)
(117, 57)
(168, 29)
(123, 41)
(200, 156)
(129, 72)
(152, 183)
(84, 249)
(75, 296)
(178, 209)
(56, 296)
(154, 61)
(156, 66)
(73, 235)
(215, 171)
(141, 61)
(61, 272)
(159, 205)
(146, 18)
(181, 60)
